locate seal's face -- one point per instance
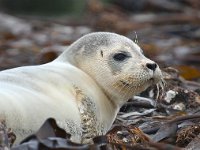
(126, 71)
(119, 66)
(131, 71)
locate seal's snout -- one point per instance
(151, 66)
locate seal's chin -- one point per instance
(134, 87)
(126, 87)
(149, 82)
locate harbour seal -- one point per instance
(83, 89)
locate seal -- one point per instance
(83, 89)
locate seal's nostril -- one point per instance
(151, 66)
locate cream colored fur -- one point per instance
(83, 82)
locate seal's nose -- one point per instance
(151, 66)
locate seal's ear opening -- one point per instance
(101, 53)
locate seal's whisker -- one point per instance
(136, 38)
(158, 91)
(162, 85)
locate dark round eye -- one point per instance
(120, 56)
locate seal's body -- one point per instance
(30, 95)
(82, 89)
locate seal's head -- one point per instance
(116, 63)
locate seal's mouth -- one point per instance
(155, 80)
(131, 85)
(150, 81)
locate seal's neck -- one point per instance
(115, 100)
(108, 112)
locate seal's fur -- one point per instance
(82, 89)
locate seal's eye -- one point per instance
(120, 57)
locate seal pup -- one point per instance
(83, 89)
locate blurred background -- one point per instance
(35, 32)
